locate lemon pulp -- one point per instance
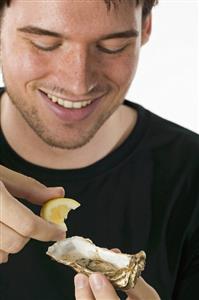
(56, 210)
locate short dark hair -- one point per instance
(147, 4)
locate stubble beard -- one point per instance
(35, 122)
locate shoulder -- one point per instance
(173, 135)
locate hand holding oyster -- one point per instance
(84, 257)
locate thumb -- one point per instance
(28, 188)
(142, 290)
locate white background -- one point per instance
(167, 79)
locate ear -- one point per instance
(0, 58)
(146, 29)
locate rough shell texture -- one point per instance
(83, 256)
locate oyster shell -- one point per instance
(83, 256)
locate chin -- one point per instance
(74, 141)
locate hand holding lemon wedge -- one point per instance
(56, 210)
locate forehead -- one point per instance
(89, 17)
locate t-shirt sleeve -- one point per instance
(187, 284)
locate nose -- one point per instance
(79, 71)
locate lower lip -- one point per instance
(70, 115)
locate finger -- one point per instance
(116, 250)
(25, 187)
(11, 241)
(142, 290)
(21, 219)
(102, 288)
(3, 257)
(82, 288)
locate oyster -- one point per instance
(83, 256)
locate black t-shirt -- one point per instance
(143, 195)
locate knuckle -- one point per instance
(16, 245)
(35, 186)
(3, 257)
(28, 227)
(34, 183)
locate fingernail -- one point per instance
(60, 190)
(96, 281)
(116, 250)
(80, 281)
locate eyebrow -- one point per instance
(41, 31)
(122, 34)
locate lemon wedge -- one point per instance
(56, 210)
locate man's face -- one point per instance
(58, 56)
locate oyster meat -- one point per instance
(84, 257)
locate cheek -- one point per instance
(22, 64)
(122, 70)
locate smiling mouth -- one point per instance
(67, 103)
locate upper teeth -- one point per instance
(69, 104)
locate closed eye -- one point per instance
(102, 49)
(44, 48)
(112, 51)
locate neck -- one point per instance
(112, 134)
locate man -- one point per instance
(67, 66)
